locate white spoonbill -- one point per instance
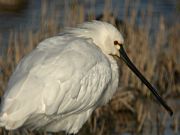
(65, 78)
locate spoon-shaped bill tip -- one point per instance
(143, 79)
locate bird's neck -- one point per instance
(112, 87)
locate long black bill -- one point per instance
(143, 79)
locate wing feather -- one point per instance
(59, 80)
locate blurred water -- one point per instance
(30, 15)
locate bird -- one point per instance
(58, 85)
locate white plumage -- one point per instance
(58, 85)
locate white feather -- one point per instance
(59, 84)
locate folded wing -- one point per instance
(57, 78)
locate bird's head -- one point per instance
(107, 37)
(110, 41)
(103, 34)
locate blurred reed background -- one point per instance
(155, 50)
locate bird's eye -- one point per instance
(116, 42)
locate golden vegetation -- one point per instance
(132, 108)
